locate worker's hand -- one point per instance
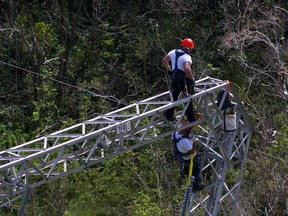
(187, 95)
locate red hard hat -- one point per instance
(188, 43)
(185, 122)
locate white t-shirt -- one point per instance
(184, 58)
(184, 145)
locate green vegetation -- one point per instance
(60, 60)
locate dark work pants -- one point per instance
(179, 82)
(195, 171)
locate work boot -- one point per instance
(170, 118)
(169, 114)
(197, 187)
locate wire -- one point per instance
(111, 98)
(269, 155)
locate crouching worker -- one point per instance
(184, 147)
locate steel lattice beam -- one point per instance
(34, 163)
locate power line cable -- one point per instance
(111, 98)
(269, 155)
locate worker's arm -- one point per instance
(166, 62)
(187, 69)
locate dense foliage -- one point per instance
(64, 61)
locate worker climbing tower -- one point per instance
(224, 134)
(53, 156)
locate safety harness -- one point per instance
(178, 53)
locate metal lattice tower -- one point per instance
(34, 163)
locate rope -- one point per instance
(190, 183)
(190, 168)
(192, 155)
